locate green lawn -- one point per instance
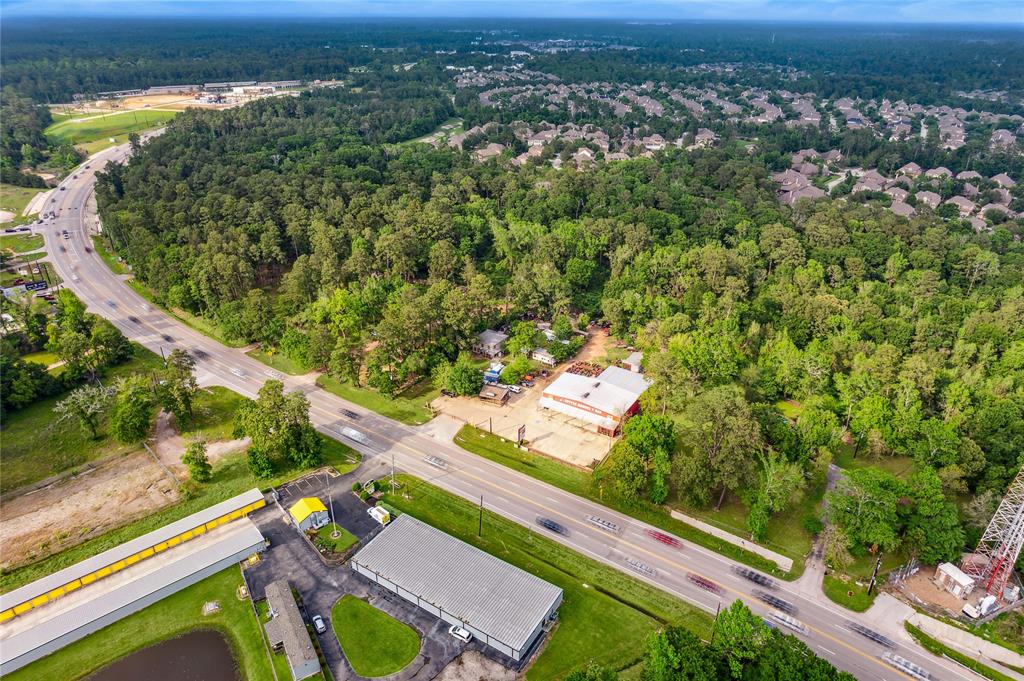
(42, 357)
(606, 614)
(175, 615)
(1006, 630)
(375, 643)
(21, 243)
(900, 466)
(278, 361)
(937, 648)
(99, 128)
(789, 408)
(108, 257)
(230, 477)
(580, 483)
(36, 446)
(214, 414)
(410, 407)
(14, 198)
(338, 544)
(848, 594)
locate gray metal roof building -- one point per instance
(288, 631)
(503, 606)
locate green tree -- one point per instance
(934, 529)
(515, 370)
(178, 387)
(676, 653)
(279, 428)
(132, 412)
(199, 468)
(865, 505)
(739, 636)
(87, 404)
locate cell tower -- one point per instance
(992, 563)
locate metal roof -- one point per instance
(487, 593)
(122, 551)
(40, 626)
(613, 392)
(287, 626)
(305, 507)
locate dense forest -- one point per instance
(297, 223)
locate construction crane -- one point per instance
(992, 562)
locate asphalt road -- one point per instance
(511, 494)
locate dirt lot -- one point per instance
(48, 520)
(923, 588)
(551, 433)
(472, 666)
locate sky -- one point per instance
(1001, 12)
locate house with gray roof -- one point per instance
(287, 632)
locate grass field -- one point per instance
(605, 616)
(410, 407)
(95, 131)
(337, 544)
(214, 414)
(21, 243)
(375, 643)
(278, 361)
(230, 477)
(14, 198)
(42, 357)
(171, 617)
(579, 482)
(36, 446)
(1006, 630)
(848, 594)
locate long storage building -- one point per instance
(501, 605)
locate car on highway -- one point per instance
(199, 354)
(907, 667)
(666, 539)
(753, 576)
(437, 462)
(167, 338)
(111, 303)
(318, 624)
(238, 372)
(63, 249)
(24, 229)
(788, 621)
(349, 413)
(460, 633)
(549, 524)
(775, 602)
(88, 250)
(276, 375)
(601, 523)
(641, 567)
(63, 188)
(133, 319)
(867, 632)
(702, 582)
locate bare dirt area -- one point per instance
(472, 666)
(170, 445)
(48, 520)
(921, 588)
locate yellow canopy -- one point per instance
(306, 507)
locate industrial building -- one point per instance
(309, 513)
(605, 401)
(502, 606)
(288, 632)
(61, 608)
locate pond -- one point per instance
(196, 656)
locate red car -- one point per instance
(666, 539)
(704, 583)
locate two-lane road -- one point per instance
(507, 492)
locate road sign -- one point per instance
(41, 285)
(521, 434)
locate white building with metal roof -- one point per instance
(501, 605)
(50, 613)
(604, 401)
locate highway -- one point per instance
(506, 492)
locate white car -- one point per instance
(238, 372)
(318, 624)
(460, 633)
(436, 461)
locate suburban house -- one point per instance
(288, 632)
(963, 204)
(930, 199)
(910, 170)
(490, 343)
(903, 209)
(309, 513)
(544, 357)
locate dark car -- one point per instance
(666, 539)
(199, 354)
(775, 602)
(526, 384)
(754, 576)
(349, 413)
(63, 249)
(133, 319)
(704, 583)
(871, 634)
(549, 524)
(88, 250)
(168, 338)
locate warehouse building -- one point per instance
(309, 513)
(50, 613)
(286, 631)
(605, 401)
(501, 605)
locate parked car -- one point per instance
(544, 373)
(527, 384)
(514, 388)
(460, 633)
(318, 624)
(666, 539)
(549, 524)
(755, 577)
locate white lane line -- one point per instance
(826, 650)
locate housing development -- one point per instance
(535, 349)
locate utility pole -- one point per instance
(874, 575)
(714, 622)
(480, 524)
(392, 470)
(334, 526)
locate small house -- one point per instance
(309, 513)
(490, 343)
(954, 580)
(492, 393)
(544, 357)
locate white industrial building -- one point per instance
(502, 606)
(48, 614)
(605, 401)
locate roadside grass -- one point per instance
(214, 414)
(21, 243)
(410, 407)
(848, 594)
(279, 361)
(937, 648)
(173, 616)
(42, 357)
(108, 257)
(606, 615)
(1006, 630)
(203, 326)
(101, 128)
(580, 483)
(231, 477)
(837, 584)
(36, 445)
(337, 544)
(15, 198)
(374, 642)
